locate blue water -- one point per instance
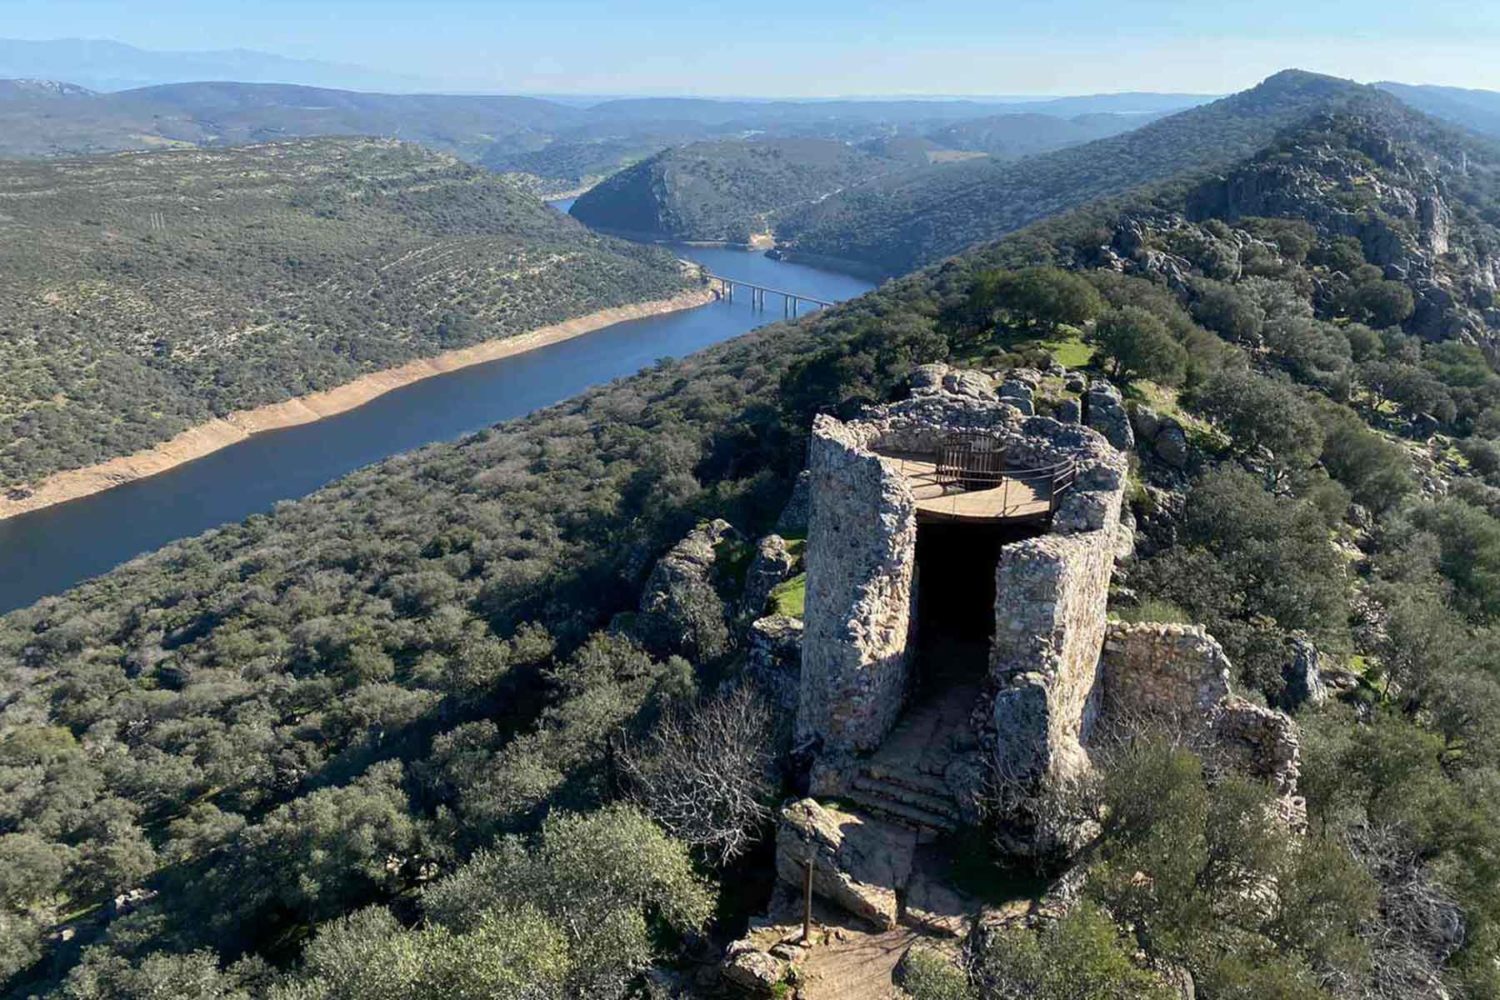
(47, 551)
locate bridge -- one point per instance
(790, 301)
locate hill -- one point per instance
(100, 64)
(206, 114)
(1473, 109)
(896, 223)
(147, 293)
(330, 717)
(1010, 137)
(562, 146)
(723, 191)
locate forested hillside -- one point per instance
(723, 191)
(558, 147)
(371, 744)
(897, 223)
(142, 294)
(1010, 137)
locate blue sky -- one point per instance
(818, 47)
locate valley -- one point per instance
(252, 467)
(1106, 605)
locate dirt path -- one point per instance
(196, 442)
(858, 967)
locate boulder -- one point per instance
(1144, 421)
(1171, 444)
(1015, 388)
(1023, 404)
(1068, 412)
(771, 564)
(1076, 383)
(927, 377)
(858, 863)
(1304, 681)
(1029, 377)
(681, 610)
(753, 971)
(774, 663)
(1104, 411)
(967, 382)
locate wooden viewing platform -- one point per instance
(986, 493)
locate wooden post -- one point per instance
(807, 869)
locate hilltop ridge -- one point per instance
(147, 293)
(896, 224)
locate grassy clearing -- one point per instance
(790, 596)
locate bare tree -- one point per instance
(706, 774)
(1419, 925)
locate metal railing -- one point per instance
(971, 462)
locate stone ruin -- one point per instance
(860, 631)
(904, 748)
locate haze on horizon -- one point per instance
(779, 48)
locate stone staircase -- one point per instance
(904, 781)
(906, 797)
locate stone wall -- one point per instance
(1152, 670)
(1051, 594)
(860, 557)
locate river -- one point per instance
(47, 551)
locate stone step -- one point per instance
(899, 812)
(906, 777)
(940, 805)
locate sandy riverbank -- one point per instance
(205, 439)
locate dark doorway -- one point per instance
(956, 597)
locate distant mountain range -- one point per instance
(1478, 110)
(107, 65)
(894, 224)
(564, 145)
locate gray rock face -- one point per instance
(975, 385)
(1304, 682)
(774, 664)
(771, 564)
(858, 864)
(1171, 444)
(1144, 421)
(681, 610)
(927, 377)
(753, 971)
(1021, 403)
(1104, 411)
(1068, 412)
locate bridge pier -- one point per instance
(791, 302)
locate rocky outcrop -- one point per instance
(1302, 675)
(681, 609)
(859, 864)
(774, 661)
(1104, 411)
(772, 563)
